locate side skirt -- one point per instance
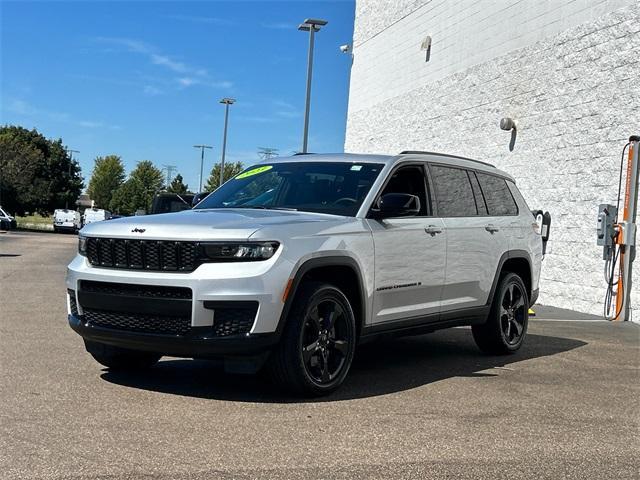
(425, 324)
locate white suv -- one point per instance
(294, 262)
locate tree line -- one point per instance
(110, 189)
(37, 175)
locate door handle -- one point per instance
(432, 230)
(491, 228)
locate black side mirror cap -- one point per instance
(396, 205)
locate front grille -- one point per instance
(233, 321)
(159, 255)
(156, 291)
(137, 322)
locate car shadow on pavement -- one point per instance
(379, 368)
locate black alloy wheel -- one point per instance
(506, 326)
(326, 337)
(318, 343)
(512, 314)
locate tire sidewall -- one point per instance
(315, 294)
(505, 282)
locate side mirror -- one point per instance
(396, 205)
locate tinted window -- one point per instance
(497, 195)
(453, 192)
(327, 187)
(409, 179)
(477, 193)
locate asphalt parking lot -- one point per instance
(565, 406)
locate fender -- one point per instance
(511, 254)
(328, 261)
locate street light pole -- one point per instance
(312, 26)
(227, 102)
(201, 147)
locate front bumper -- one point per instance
(199, 343)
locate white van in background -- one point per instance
(95, 215)
(66, 220)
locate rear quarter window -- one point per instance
(498, 197)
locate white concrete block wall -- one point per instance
(576, 97)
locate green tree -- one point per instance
(138, 191)
(177, 186)
(36, 174)
(230, 170)
(106, 178)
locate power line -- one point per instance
(265, 153)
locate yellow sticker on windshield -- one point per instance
(254, 171)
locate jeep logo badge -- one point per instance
(138, 230)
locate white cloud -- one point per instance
(152, 91)
(192, 75)
(25, 109)
(198, 19)
(279, 26)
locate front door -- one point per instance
(409, 255)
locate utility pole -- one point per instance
(70, 153)
(202, 148)
(265, 153)
(312, 26)
(170, 169)
(226, 102)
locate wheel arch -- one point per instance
(518, 262)
(343, 272)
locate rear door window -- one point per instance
(454, 193)
(497, 195)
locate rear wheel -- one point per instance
(318, 343)
(116, 358)
(506, 326)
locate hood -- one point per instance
(203, 224)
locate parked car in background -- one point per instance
(7, 222)
(170, 202)
(65, 220)
(294, 262)
(95, 215)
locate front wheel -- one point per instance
(116, 358)
(318, 344)
(506, 326)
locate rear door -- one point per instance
(410, 254)
(475, 240)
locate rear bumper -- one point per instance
(199, 343)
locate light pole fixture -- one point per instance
(201, 147)
(227, 102)
(312, 26)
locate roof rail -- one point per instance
(303, 153)
(420, 152)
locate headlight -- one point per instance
(239, 252)
(82, 245)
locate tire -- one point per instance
(122, 359)
(318, 343)
(506, 327)
(56, 230)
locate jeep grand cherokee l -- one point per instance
(292, 263)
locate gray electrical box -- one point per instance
(605, 228)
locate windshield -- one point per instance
(337, 188)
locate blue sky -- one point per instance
(143, 79)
